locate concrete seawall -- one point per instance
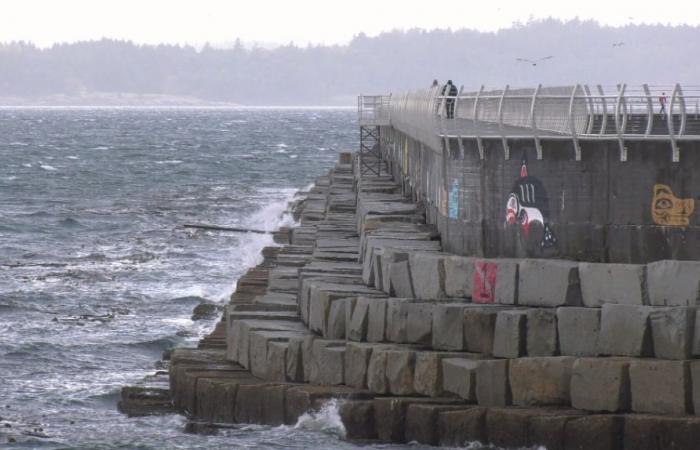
(363, 303)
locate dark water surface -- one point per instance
(90, 206)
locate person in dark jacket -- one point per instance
(449, 91)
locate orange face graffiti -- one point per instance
(669, 210)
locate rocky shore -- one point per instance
(360, 304)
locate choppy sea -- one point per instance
(98, 278)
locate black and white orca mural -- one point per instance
(528, 208)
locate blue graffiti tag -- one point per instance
(453, 200)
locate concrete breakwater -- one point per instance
(362, 304)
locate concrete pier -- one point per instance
(362, 303)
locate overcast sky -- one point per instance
(45, 22)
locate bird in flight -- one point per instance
(618, 44)
(535, 61)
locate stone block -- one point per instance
(357, 329)
(273, 404)
(547, 431)
(648, 432)
(672, 331)
(428, 275)
(548, 282)
(459, 377)
(349, 309)
(312, 358)
(479, 329)
(422, 422)
(396, 320)
(448, 327)
(542, 332)
(357, 357)
(335, 326)
(674, 283)
(601, 384)
(625, 331)
(459, 274)
(459, 428)
(400, 281)
(277, 361)
(578, 330)
(493, 386)
(597, 432)
(428, 373)
(301, 399)
(376, 322)
(541, 381)
(400, 371)
(249, 403)
(294, 363)
(390, 415)
(613, 283)
(259, 341)
(390, 256)
(330, 360)
(510, 334)
(358, 419)
(694, 368)
(376, 372)
(419, 319)
(508, 427)
(507, 276)
(662, 387)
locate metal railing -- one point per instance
(373, 110)
(620, 113)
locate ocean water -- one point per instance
(98, 278)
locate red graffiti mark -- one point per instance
(484, 286)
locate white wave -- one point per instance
(18, 144)
(179, 321)
(48, 167)
(169, 161)
(72, 157)
(102, 147)
(281, 151)
(11, 178)
(293, 156)
(327, 419)
(282, 145)
(27, 165)
(322, 149)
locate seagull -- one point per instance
(618, 44)
(534, 63)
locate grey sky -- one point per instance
(45, 22)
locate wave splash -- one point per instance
(327, 420)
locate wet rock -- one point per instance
(206, 310)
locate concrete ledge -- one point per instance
(541, 380)
(455, 428)
(542, 338)
(601, 384)
(674, 283)
(672, 331)
(625, 331)
(578, 329)
(428, 274)
(662, 387)
(510, 334)
(459, 377)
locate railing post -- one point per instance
(650, 110)
(675, 153)
(604, 119)
(533, 124)
(591, 109)
(504, 141)
(479, 144)
(618, 124)
(572, 124)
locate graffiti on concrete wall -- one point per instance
(669, 210)
(453, 200)
(528, 207)
(484, 285)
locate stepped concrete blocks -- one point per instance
(358, 419)
(455, 428)
(578, 330)
(660, 386)
(625, 331)
(459, 274)
(300, 399)
(540, 381)
(649, 432)
(335, 325)
(377, 268)
(508, 427)
(541, 328)
(397, 320)
(376, 372)
(428, 373)
(331, 367)
(548, 282)
(459, 377)
(601, 384)
(276, 361)
(390, 415)
(547, 431)
(357, 356)
(672, 331)
(349, 309)
(694, 368)
(390, 256)
(400, 281)
(400, 366)
(376, 322)
(422, 422)
(596, 432)
(294, 364)
(493, 386)
(674, 283)
(448, 327)
(428, 275)
(613, 283)
(313, 357)
(509, 338)
(419, 319)
(479, 329)
(357, 328)
(506, 275)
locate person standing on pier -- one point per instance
(662, 102)
(449, 92)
